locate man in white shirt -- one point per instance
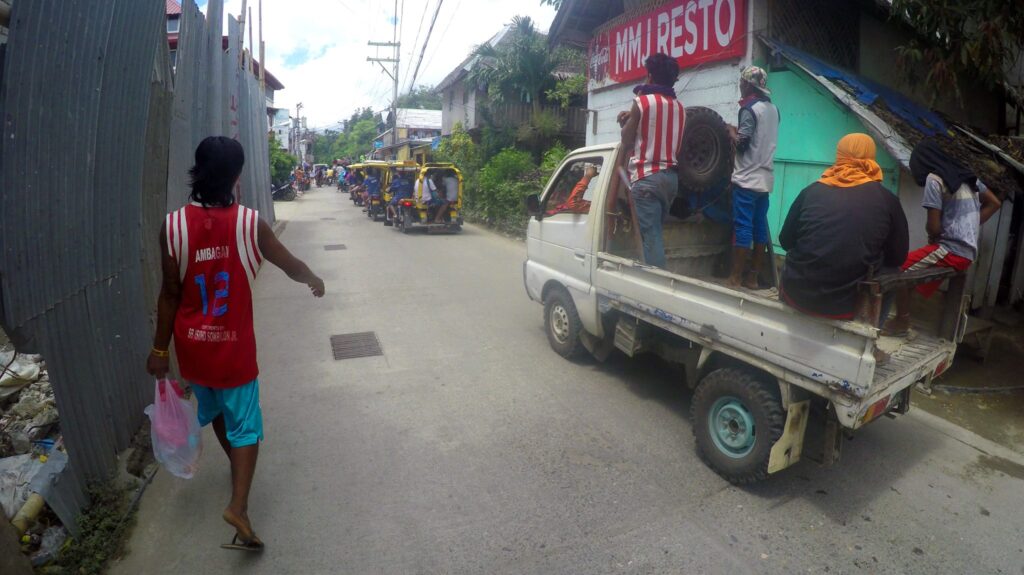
(450, 184)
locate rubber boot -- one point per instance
(752, 279)
(740, 258)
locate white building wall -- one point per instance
(716, 86)
(455, 111)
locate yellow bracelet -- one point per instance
(160, 352)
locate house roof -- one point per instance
(899, 123)
(576, 20)
(173, 8)
(470, 62)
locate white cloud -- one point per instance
(337, 79)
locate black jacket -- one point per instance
(833, 237)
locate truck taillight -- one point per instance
(877, 408)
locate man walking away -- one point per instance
(753, 177)
(652, 133)
(212, 250)
(958, 204)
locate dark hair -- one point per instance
(663, 69)
(219, 162)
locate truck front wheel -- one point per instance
(562, 324)
(737, 418)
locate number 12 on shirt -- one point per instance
(220, 280)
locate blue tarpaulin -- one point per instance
(867, 92)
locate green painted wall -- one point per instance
(812, 124)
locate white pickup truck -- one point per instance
(757, 365)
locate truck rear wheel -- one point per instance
(737, 418)
(562, 322)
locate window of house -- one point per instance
(174, 58)
(172, 25)
(574, 187)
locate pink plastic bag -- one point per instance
(177, 442)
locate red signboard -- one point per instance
(692, 31)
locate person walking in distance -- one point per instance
(652, 134)
(212, 250)
(753, 178)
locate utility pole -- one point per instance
(297, 130)
(394, 44)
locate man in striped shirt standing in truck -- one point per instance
(652, 134)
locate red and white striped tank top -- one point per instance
(659, 135)
(218, 257)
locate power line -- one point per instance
(346, 6)
(426, 4)
(445, 31)
(425, 42)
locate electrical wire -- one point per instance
(423, 16)
(445, 31)
(426, 41)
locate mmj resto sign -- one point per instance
(693, 32)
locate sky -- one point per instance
(318, 48)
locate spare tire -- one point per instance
(706, 157)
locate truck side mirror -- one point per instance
(533, 206)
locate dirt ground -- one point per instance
(998, 416)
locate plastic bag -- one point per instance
(177, 442)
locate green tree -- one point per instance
(520, 67)
(960, 42)
(358, 140)
(567, 89)
(322, 147)
(281, 162)
(556, 3)
(359, 115)
(422, 98)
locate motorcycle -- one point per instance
(283, 193)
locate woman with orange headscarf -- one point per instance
(840, 228)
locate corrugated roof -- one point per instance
(463, 68)
(899, 123)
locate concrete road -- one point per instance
(470, 447)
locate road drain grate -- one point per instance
(334, 247)
(328, 219)
(350, 345)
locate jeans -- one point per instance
(652, 197)
(750, 217)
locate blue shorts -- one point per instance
(240, 406)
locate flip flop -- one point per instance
(252, 545)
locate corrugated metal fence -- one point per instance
(95, 148)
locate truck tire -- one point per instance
(737, 418)
(562, 324)
(706, 154)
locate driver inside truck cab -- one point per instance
(578, 201)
